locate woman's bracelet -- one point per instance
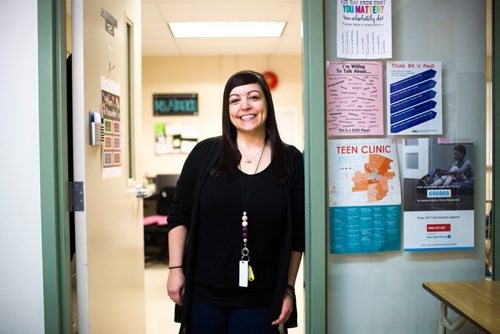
(175, 267)
(290, 290)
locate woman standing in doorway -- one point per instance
(236, 227)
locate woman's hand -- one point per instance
(175, 285)
(286, 310)
(176, 280)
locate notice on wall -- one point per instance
(355, 99)
(364, 195)
(414, 105)
(110, 110)
(289, 124)
(439, 195)
(175, 138)
(364, 29)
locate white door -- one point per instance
(109, 232)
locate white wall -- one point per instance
(21, 279)
(382, 292)
(207, 77)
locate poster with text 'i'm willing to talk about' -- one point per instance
(355, 99)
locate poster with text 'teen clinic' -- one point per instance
(364, 195)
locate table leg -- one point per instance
(444, 323)
(443, 315)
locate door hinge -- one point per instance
(76, 196)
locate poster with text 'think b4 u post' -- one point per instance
(414, 105)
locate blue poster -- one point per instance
(414, 98)
(364, 229)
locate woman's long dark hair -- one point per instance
(230, 155)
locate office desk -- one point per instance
(477, 302)
(155, 231)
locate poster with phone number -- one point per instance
(439, 195)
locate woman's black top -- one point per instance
(186, 210)
(218, 250)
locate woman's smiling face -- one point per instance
(247, 108)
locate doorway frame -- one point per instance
(315, 166)
(496, 140)
(53, 174)
(53, 166)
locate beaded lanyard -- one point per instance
(246, 271)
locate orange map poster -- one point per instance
(364, 196)
(375, 178)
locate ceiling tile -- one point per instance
(157, 39)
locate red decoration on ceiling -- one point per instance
(271, 79)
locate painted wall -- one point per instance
(207, 77)
(21, 278)
(382, 292)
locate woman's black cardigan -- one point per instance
(185, 209)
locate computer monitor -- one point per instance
(165, 191)
(166, 181)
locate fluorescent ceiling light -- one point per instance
(226, 29)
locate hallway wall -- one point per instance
(382, 292)
(21, 278)
(207, 77)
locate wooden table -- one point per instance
(477, 302)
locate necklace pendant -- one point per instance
(243, 277)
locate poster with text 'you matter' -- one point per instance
(364, 29)
(364, 195)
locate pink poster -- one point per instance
(355, 99)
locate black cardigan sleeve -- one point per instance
(189, 180)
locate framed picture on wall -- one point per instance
(175, 104)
